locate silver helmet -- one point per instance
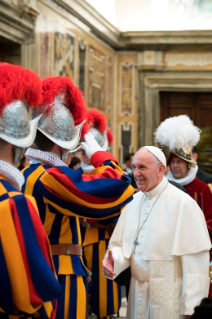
(15, 126)
(20, 89)
(101, 138)
(58, 125)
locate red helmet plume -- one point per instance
(73, 99)
(17, 83)
(96, 119)
(109, 137)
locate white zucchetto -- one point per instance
(157, 152)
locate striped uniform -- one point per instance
(104, 294)
(63, 194)
(27, 277)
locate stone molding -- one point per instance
(134, 40)
(17, 22)
(164, 40)
(187, 59)
(21, 19)
(88, 15)
(151, 59)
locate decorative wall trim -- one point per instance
(97, 79)
(82, 56)
(126, 89)
(188, 59)
(109, 85)
(125, 140)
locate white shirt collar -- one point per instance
(38, 156)
(11, 173)
(158, 189)
(185, 180)
(87, 168)
(128, 170)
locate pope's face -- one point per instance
(147, 171)
(179, 167)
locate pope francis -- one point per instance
(162, 235)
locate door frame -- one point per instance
(150, 83)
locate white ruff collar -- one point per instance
(185, 180)
(87, 168)
(11, 173)
(37, 156)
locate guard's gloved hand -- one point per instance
(90, 146)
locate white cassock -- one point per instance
(170, 266)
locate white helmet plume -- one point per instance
(176, 132)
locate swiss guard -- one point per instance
(180, 135)
(64, 194)
(104, 294)
(27, 277)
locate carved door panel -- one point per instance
(198, 106)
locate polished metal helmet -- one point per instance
(184, 153)
(101, 138)
(180, 135)
(19, 89)
(63, 111)
(15, 126)
(98, 125)
(58, 126)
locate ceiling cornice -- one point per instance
(136, 40)
(165, 40)
(93, 19)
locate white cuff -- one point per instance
(120, 262)
(195, 288)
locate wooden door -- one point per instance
(198, 106)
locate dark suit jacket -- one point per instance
(179, 186)
(133, 183)
(204, 177)
(204, 311)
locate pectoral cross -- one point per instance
(136, 243)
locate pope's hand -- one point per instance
(90, 146)
(108, 265)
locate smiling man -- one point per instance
(153, 236)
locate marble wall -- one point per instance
(124, 85)
(62, 48)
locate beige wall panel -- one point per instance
(187, 60)
(126, 95)
(99, 62)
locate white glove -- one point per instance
(90, 146)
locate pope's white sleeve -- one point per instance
(196, 280)
(120, 262)
(116, 246)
